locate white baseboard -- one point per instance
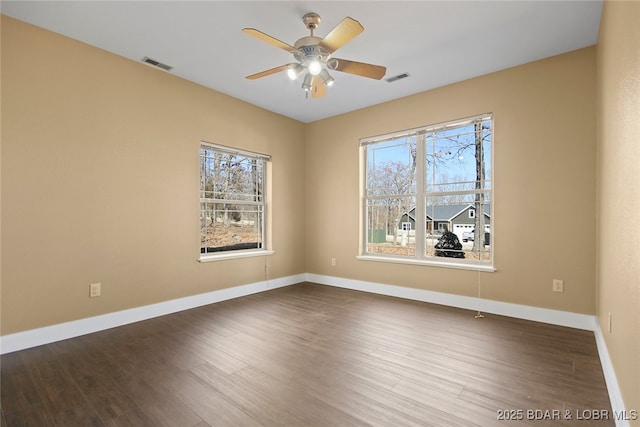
(62, 331)
(49, 334)
(617, 404)
(545, 315)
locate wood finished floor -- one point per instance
(309, 355)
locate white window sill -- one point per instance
(461, 265)
(221, 256)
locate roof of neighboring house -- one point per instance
(448, 212)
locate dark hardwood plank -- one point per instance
(63, 402)
(93, 377)
(34, 417)
(159, 404)
(16, 388)
(308, 355)
(256, 403)
(213, 406)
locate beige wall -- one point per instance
(100, 181)
(544, 170)
(618, 244)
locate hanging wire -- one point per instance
(479, 315)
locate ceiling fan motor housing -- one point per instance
(309, 50)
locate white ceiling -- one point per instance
(436, 42)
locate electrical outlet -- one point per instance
(558, 285)
(333, 262)
(94, 290)
(609, 322)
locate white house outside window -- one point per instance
(438, 179)
(232, 202)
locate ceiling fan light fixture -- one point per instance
(306, 84)
(326, 78)
(294, 71)
(315, 67)
(313, 55)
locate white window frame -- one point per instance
(262, 204)
(420, 257)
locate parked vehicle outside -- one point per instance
(468, 236)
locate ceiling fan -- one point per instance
(313, 55)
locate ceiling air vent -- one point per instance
(157, 64)
(398, 77)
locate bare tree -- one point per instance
(478, 234)
(390, 178)
(398, 178)
(395, 179)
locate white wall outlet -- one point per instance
(94, 290)
(558, 285)
(333, 262)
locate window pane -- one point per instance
(228, 227)
(462, 241)
(391, 226)
(226, 176)
(459, 159)
(391, 167)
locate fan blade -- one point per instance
(318, 88)
(346, 30)
(359, 68)
(268, 72)
(271, 40)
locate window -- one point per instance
(438, 179)
(232, 201)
